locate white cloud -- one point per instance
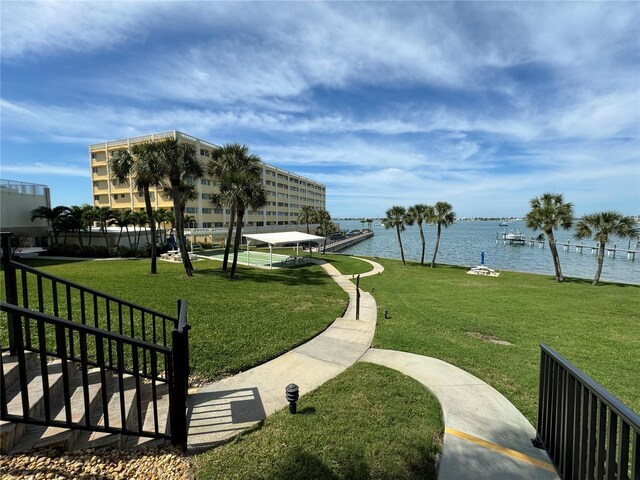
(50, 27)
(41, 168)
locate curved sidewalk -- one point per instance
(486, 437)
(222, 410)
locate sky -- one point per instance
(484, 105)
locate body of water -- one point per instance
(462, 243)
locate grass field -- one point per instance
(369, 422)
(447, 314)
(236, 323)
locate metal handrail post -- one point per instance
(358, 297)
(178, 400)
(11, 290)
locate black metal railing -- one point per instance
(146, 350)
(587, 432)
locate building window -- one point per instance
(96, 198)
(206, 224)
(218, 211)
(204, 181)
(206, 210)
(94, 169)
(96, 184)
(191, 210)
(93, 156)
(206, 196)
(218, 224)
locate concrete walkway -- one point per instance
(222, 410)
(486, 437)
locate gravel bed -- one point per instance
(98, 464)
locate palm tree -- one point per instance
(88, 217)
(141, 164)
(138, 219)
(51, 215)
(249, 192)
(397, 218)
(76, 222)
(600, 226)
(441, 215)
(420, 213)
(307, 215)
(163, 216)
(120, 218)
(226, 162)
(104, 215)
(549, 212)
(325, 225)
(181, 167)
(368, 221)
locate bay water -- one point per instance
(463, 242)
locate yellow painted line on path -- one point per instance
(500, 449)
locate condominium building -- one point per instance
(286, 191)
(17, 200)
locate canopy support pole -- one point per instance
(270, 256)
(248, 253)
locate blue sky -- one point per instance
(481, 104)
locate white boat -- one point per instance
(516, 237)
(503, 224)
(484, 271)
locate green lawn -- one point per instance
(447, 314)
(369, 422)
(236, 323)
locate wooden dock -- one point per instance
(630, 250)
(347, 242)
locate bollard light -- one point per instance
(386, 314)
(292, 394)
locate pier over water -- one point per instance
(338, 245)
(631, 250)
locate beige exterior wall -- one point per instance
(17, 199)
(286, 191)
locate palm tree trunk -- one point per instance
(55, 232)
(227, 246)
(119, 236)
(236, 243)
(129, 236)
(601, 248)
(400, 243)
(80, 242)
(183, 223)
(307, 227)
(423, 243)
(152, 226)
(555, 256)
(90, 232)
(180, 239)
(435, 248)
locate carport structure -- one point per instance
(280, 238)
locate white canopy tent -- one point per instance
(280, 238)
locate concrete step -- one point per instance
(21, 437)
(162, 412)
(47, 437)
(103, 439)
(11, 433)
(10, 367)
